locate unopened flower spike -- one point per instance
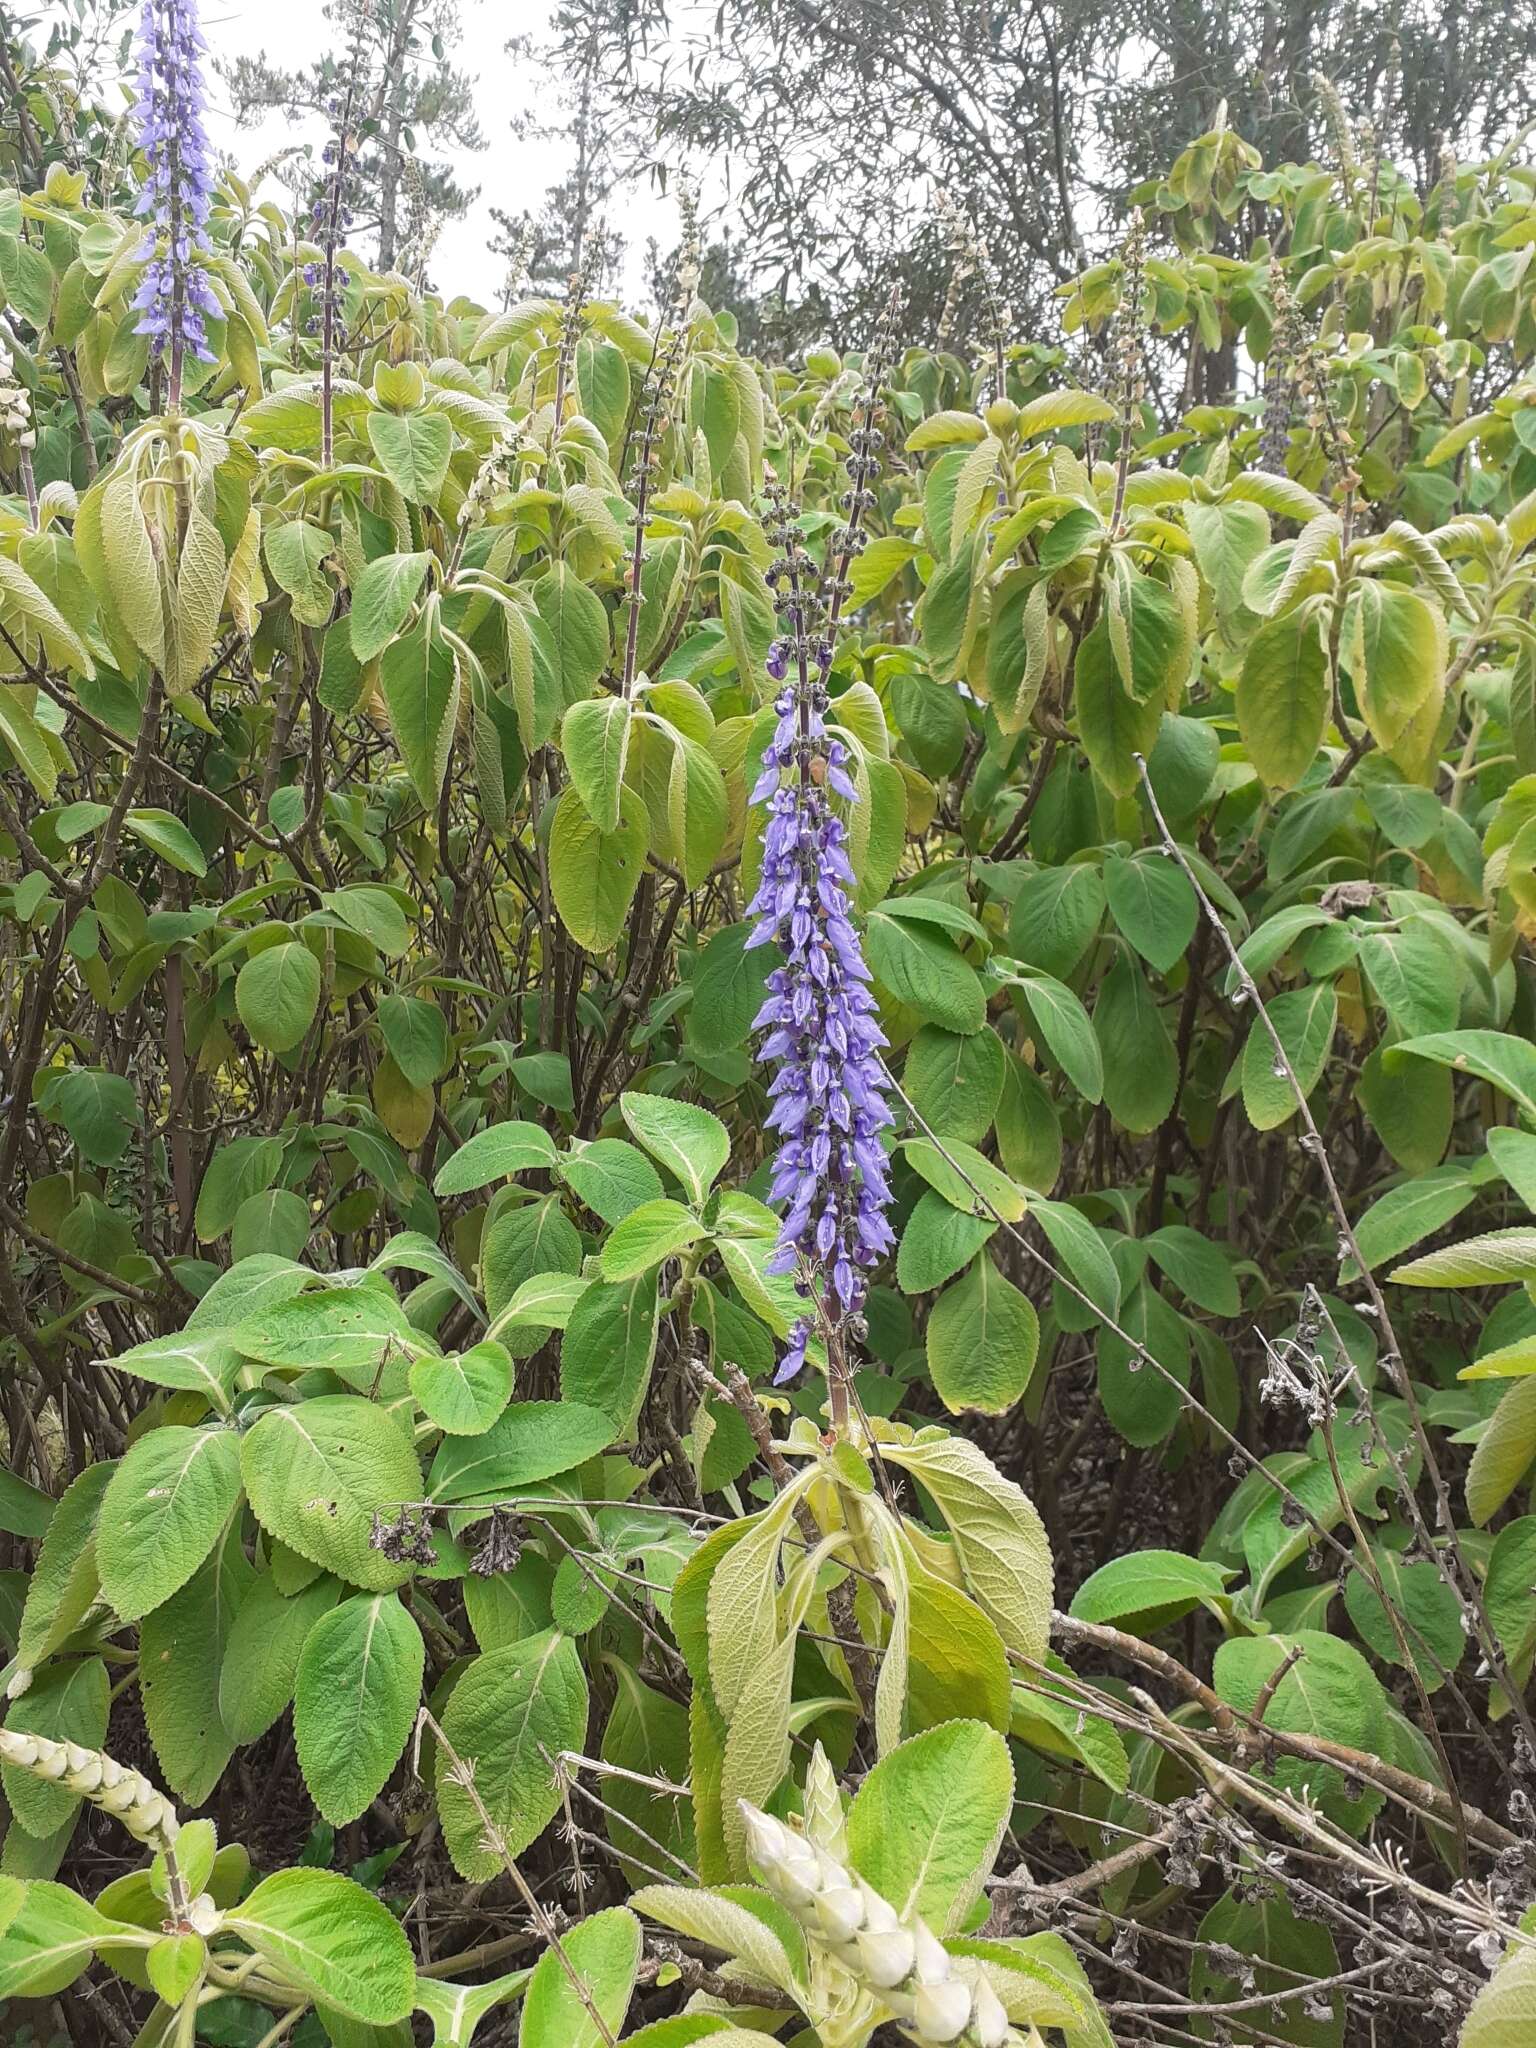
(175, 293)
(125, 1793)
(900, 1961)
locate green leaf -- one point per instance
(729, 984)
(413, 451)
(382, 597)
(495, 1154)
(594, 738)
(926, 1824)
(1153, 904)
(537, 1238)
(1427, 1608)
(24, 1510)
(1082, 1251)
(181, 1652)
(999, 1541)
(983, 1341)
(608, 1349)
(1503, 2013)
(1252, 1945)
(1053, 410)
(1141, 1402)
(333, 1940)
(1055, 914)
(374, 914)
(455, 2010)
(594, 874)
(169, 1498)
(1495, 1257)
(647, 1235)
(1508, 1062)
(49, 1939)
(315, 1473)
(358, 1686)
(647, 1734)
(416, 1033)
(277, 993)
(956, 1082)
(466, 1391)
(166, 835)
(241, 1167)
(1504, 1454)
(64, 1580)
(1331, 1691)
(99, 1110)
(921, 968)
(609, 1176)
(132, 570)
(419, 678)
(531, 1440)
(261, 1658)
(1148, 1590)
(1201, 1271)
(578, 631)
(1304, 1020)
(1141, 1068)
(937, 1241)
(1114, 726)
(604, 1953)
(1414, 975)
(1282, 698)
(512, 1713)
(1416, 1208)
(690, 1143)
(1399, 639)
(965, 1179)
(1063, 1023)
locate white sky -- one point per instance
(511, 174)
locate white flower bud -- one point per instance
(932, 1960)
(880, 1916)
(203, 1916)
(765, 1837)
(839, 1912)
(989, 2016)
(886, 1958)
(19, 1682)
(941, 2012)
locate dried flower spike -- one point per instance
(900, 1961)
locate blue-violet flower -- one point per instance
(175, 293)
(828, 1095)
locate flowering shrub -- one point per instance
(769, 1132)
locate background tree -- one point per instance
(418, 101)
(835, 125)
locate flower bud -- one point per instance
(839, 1912)
(203, 1915)
(932, 1960)
(989, 2016)
(885, 1958)
(941, 2012)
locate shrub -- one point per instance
(404, 1470)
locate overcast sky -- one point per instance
(511, 174)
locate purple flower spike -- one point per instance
(175, 294)
(828, 1093)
